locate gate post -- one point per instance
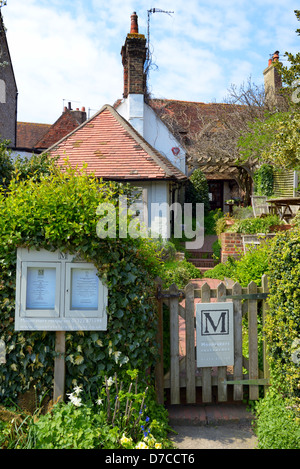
(174, 345)
(190, 344)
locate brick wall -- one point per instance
(231, 245)
(133, 57)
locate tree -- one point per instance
(276, 138)
(211, 133)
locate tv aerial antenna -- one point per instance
(149, 12)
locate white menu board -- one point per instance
(84, 288)
(41, 287)
(58, 292)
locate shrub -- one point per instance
(180, 273)
(222, 270)
(59, 212)
(125, 415)
(277, 421)
(263, 180)
(251, 267)
(6, 164)
(282, 327)
(255, 225)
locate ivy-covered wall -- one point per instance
(59, 212)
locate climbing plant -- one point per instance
(59, 212)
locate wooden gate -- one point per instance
(183, 373)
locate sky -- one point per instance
(69, 50)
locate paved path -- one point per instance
(221, 426)
(225, 436)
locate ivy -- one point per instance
(58, 211)
(263, 180)
(283, 320)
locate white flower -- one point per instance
(110, 381)
(75, 400)
(116, 356)
(77, 390)
(99, 401)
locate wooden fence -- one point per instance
(183, 371)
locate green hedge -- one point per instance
(59, 212)
(283, 321)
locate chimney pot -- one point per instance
(134, 29)
(83, 109)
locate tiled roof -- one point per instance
(67, 122)
(191, 121)
(113, 149)
(189, 116)
(29, 133)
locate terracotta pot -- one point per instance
(280, 228)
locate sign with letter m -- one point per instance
(214, 334)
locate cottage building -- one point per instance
(112, 149)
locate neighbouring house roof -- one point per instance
(38, 137)
(112, 149)
(191, 121)
(29, 133)
(68, 121)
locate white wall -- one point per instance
(151, 127)
(154, 207)
(158, 135)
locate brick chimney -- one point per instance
(272, 80)
(80, 115)
(133, 55)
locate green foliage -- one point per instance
(222, 270)
(179, 272)
(255, 225)
(284, 150)
(125, 415)
(276, 139)
(197, 189)
(59, 212)
(250, 267)
(211, 220)
(34, 166)
(6, 164)
(277, 421)
(282, 326)
(290, 72)
(263, 180)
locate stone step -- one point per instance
(209, 263)
(195, 254)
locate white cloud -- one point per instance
(70, 49)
